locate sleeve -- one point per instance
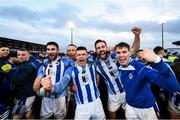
(163, 76)
(68, 62)
(60, 86)
(41, 72)
(20, 74)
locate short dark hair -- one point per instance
(72, 45)
(23, 49)
(98, 41)
(81, 48)
(121, 45)
(157, 49)
(53, 43)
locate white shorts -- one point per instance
(115, 101)
(140, 113)
(55, 107)
(5, 115)
(92, 110)
(23, 106)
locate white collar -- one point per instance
(129, 67)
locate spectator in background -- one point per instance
(37, 60)
(178, 58)
(174, 99)
(71, 104)
(161, 95)
(71, 51)
(160, 52)
(173, 57)
(166, 54)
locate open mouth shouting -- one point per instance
(52, 56)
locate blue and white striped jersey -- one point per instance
(85, 80)
(108, 69)
(55, 69)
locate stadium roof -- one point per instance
(176, 43)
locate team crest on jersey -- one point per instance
(130, 76)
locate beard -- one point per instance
(52, 56)
(103, 54)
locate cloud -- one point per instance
(52, 17)
(19, 13)
(112, 20)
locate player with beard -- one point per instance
(107, 67)
(53, 105)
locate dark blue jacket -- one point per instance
(6, 93)
(23, 79)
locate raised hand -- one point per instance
(148, 56)
(136, 30)
(46, 83)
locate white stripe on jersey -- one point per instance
(62, 69)
(52, 71)
(111, 78)
(84, 84)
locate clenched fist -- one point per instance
(46, 83)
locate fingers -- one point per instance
(136, 30)
(140, 55)
(73, 88)
(147, 55)
(46, 83)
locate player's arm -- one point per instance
(60, 86)
(161, 74)
(136, 43)
(40, 75)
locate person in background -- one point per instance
(174, 99)
(71, 104)
(160, 94)
(160, 52)
(71, 51)
(173, 57)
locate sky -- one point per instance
(41, 21)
